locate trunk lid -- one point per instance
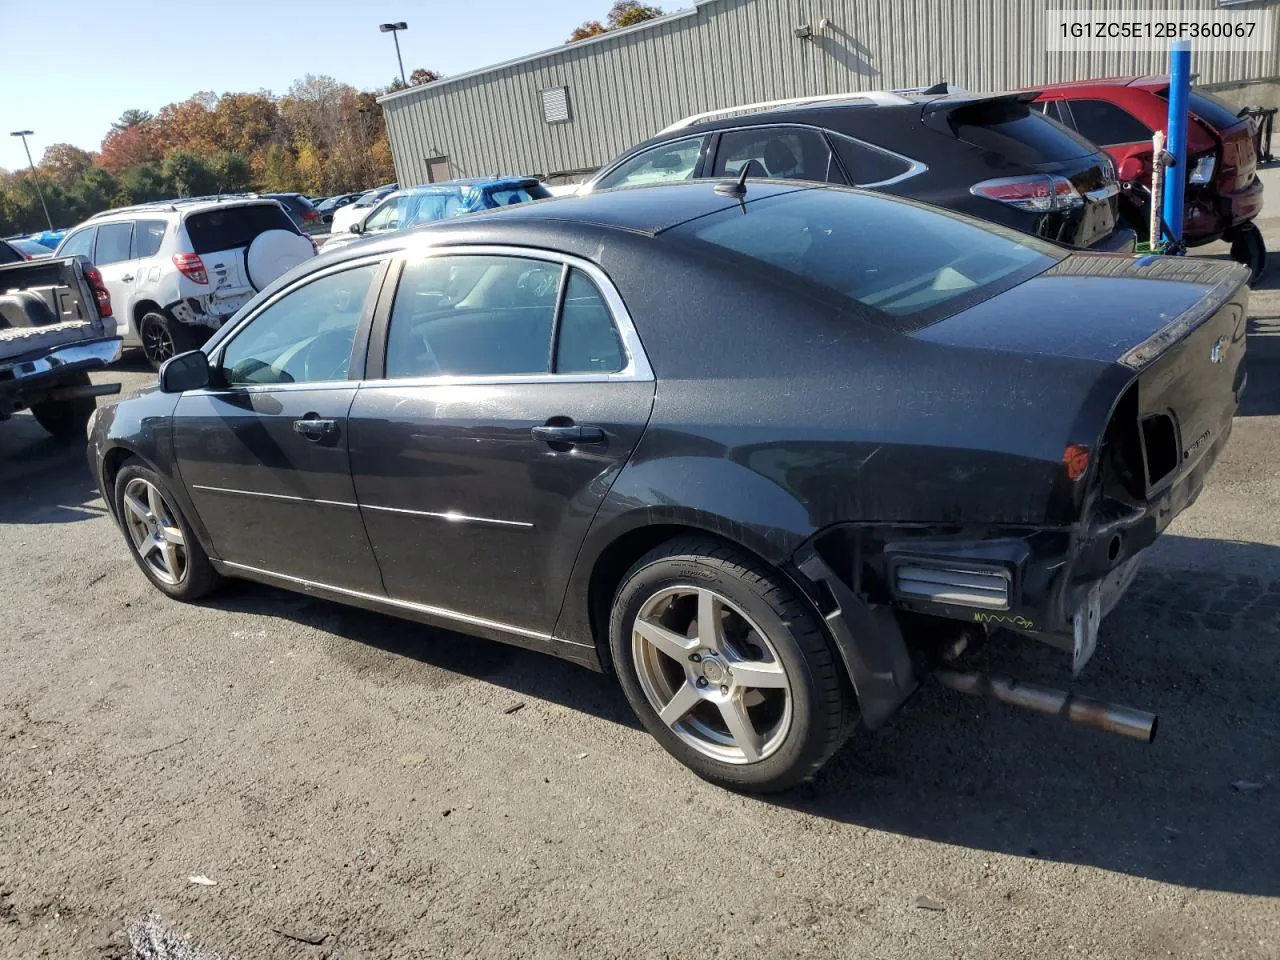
(1177, 323)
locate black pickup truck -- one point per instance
(55, 327)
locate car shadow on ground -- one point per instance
(1197, 640)
(43, 480)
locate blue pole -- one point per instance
(1176, 176)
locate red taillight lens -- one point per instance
(191, 266)
(1076, 459)
(1040, 192)
(27, 256)
(309, 214)
(100, 294)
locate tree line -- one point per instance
(320, 137)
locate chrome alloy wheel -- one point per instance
(156, 537)
(711, 674)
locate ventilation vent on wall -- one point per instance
(555, 104)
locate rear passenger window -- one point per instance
(114, 242)
(229, 228)
(587, 341)
(1106, 124)
(473, 316)
(147, 235)
(868, 165)
(789, 152)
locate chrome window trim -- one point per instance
(637, 368)
(914, 167)
(215, 358)
(594, 182)
(442, 612)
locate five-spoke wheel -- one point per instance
(728, 666)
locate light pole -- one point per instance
(394, 29)
(34, 178)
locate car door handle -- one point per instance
(128, 279)
(312, 428)
(567, 433)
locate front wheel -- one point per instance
(728, 667)
(159, 537)
(1248, 247)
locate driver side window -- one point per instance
(304, 337)
(389, 217)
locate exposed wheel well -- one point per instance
(112, 461)
(617, 559)
(142, 308)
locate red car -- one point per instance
(1224, 193)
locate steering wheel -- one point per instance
(329, 355)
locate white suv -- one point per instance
(177, 270)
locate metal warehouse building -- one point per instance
(566, 111)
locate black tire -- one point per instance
(67, 419)
(163, 337)
(198, 578)
(822, 702)
(1249, 247)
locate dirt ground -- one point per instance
(358, 781)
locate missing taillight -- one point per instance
(1160, 440)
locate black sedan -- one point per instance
(767, 454)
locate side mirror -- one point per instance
(1130, 169)
(186, 371)
(357, 227)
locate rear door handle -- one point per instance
(571, 433)
(313, 428)
(128, 279)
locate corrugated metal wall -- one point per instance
(624, 87)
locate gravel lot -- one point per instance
(357, 781)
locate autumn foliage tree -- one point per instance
(321, 136)
(624, 13)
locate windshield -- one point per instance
(899, 258)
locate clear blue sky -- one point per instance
(70, 67)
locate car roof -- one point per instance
(184, 207)
(647, 210)
(1149, 82)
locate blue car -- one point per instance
(415, 206)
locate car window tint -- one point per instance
(1213, 111)
(435, 205)
(147, 236)
(508, 196)
(304, 337)
(1015, 132)
(9, 253)
(114, 240)
(661, 164)
(78, 244)
(228, 228)
(789, 152)
(901, 259)
(1106, 124)
(587, 341)
(867, 164)
(473, 316)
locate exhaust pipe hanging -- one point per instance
(1137, 724)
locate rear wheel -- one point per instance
(163, 337)
(67, 419)
(1249, 248)
(728, 667)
